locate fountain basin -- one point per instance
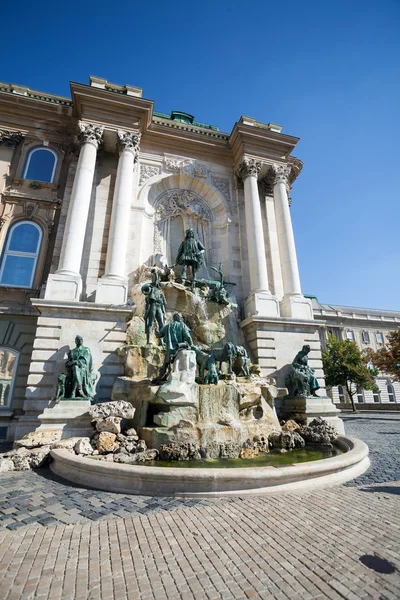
(208, 482)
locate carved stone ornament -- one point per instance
(186, 166)
(187, 205)
(129, 140)
(50, 225)
(250, 167)
(147, 171)
(2, 222)
(10, 139)
(90, 133)
(35, 185)
(280, 174)
(30, 210)
(222, 186)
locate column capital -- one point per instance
(129, 140)
(10, 139)
(90, 133)
(249, 167)
(279, 174)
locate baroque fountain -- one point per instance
(192, 396)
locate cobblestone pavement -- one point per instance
(59, 541)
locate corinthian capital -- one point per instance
(129, 140)
(250, 167)
(280, 174)
(10, 139)
(90, 133)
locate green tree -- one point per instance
(387, 359)
(344, 364)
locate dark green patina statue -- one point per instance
(301, 380)
(155, 305)
(176, 336)
(190, 254)
(218, 291)
(80, 379)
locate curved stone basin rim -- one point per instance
(165, 481)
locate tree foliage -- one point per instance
(344, 364)
(387, 359)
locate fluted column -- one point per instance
(260, 300)
(293, 304)
(66, 283)
(113, 286)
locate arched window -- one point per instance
(390, 391)
(342, 397)
(40, 165)
(8, 369)
(20, 256)
(360, 395)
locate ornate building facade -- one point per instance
(96, 185)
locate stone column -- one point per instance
(113, 286)
(66, 282)
(293, 304)
(260, 302)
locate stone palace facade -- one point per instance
(96, 185)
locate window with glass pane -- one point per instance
(390, 391)
(379, 337)
(365, 337)
(360, 395)
(350, 335)
(377, 396)
(18, 264)
(8, 368)
(40, 165)
(342, 397)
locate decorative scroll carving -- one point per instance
(129, 140)
(90, 133)
(250, 167)
(190, 208)
(10, 139)
(296, 166)
(147, 171)
(222, 186)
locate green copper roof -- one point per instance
(182, 117)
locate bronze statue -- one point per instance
(218, 291)
(301, 381)
(176, 335)
(80, 379)
(155, 305)
(190, 254)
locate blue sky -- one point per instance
(327, 71)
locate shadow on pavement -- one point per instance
(383, 489)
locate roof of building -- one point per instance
(340, 310)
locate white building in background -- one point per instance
(368, 327)
(93, 187)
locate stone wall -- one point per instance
(103, 330)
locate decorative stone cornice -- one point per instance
(10, 139)
(250, 167)
(129, 140)
(90, 133)
(296, 166)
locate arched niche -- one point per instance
(173, 203)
